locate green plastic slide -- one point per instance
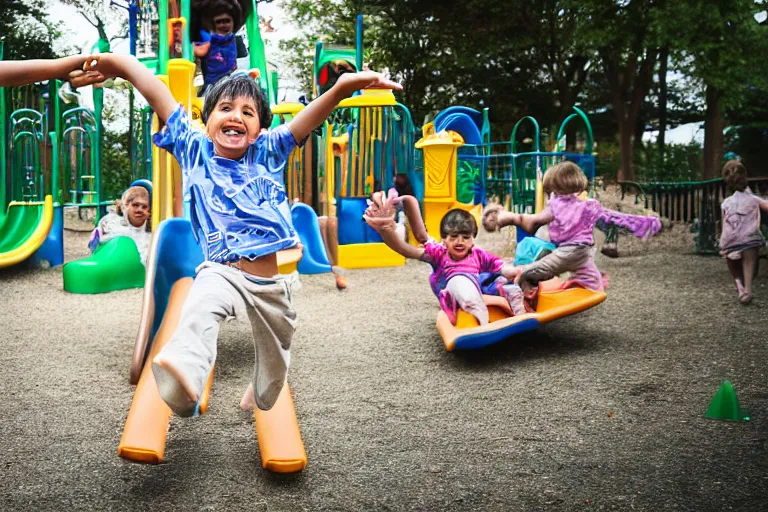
(21, 222)
(114, 265)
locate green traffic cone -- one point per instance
(725, 405)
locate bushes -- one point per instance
(682, 162)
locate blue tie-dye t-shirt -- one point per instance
(238, 208)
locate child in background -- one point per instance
(571, 221)
(240, 215)
(740, 239)
(219, 47)
(131, 219)
(456, 263)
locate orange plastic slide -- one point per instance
(145, 429)
(277, 430)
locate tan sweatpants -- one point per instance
(217, 292)
(578, 259)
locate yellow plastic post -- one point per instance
(440, 163)
(539, 191)
(181, 73)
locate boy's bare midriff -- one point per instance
(266, 266)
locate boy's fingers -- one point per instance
(91, 62)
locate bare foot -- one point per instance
(174, 387)
(248, 401)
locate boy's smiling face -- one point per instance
(223, 24)
(233, 126)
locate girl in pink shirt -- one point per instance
(740, 239)
(571, 221)
(461, 272)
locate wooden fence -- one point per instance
(684, 202)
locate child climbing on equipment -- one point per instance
(571, 221)
(131, 219)
(740, 239)
(219, 48)
(461, 272)
(240, 214)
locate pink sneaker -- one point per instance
(448, 304)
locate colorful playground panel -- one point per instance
(553, 303)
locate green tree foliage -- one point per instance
(718, 42)
(541, 57)
(480, 53)
(26, 30)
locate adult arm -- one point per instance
(21, 72)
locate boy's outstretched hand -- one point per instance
(351, 82)
(380, 213)
(96, 69)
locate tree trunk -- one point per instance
(662, 138)
(626, 132)
(713, 133)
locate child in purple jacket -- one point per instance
(571, 221)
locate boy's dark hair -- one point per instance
(458, 222)
(735, 176)
(236, 86)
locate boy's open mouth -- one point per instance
(233, 131)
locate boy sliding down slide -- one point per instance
(240, 216)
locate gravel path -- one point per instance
(603, 410)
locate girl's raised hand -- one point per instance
(380, 213)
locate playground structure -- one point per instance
(174, 255)
(30, 211)
(48, 155)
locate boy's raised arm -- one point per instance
(320, 108)
(21, 72)
(108, 65)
